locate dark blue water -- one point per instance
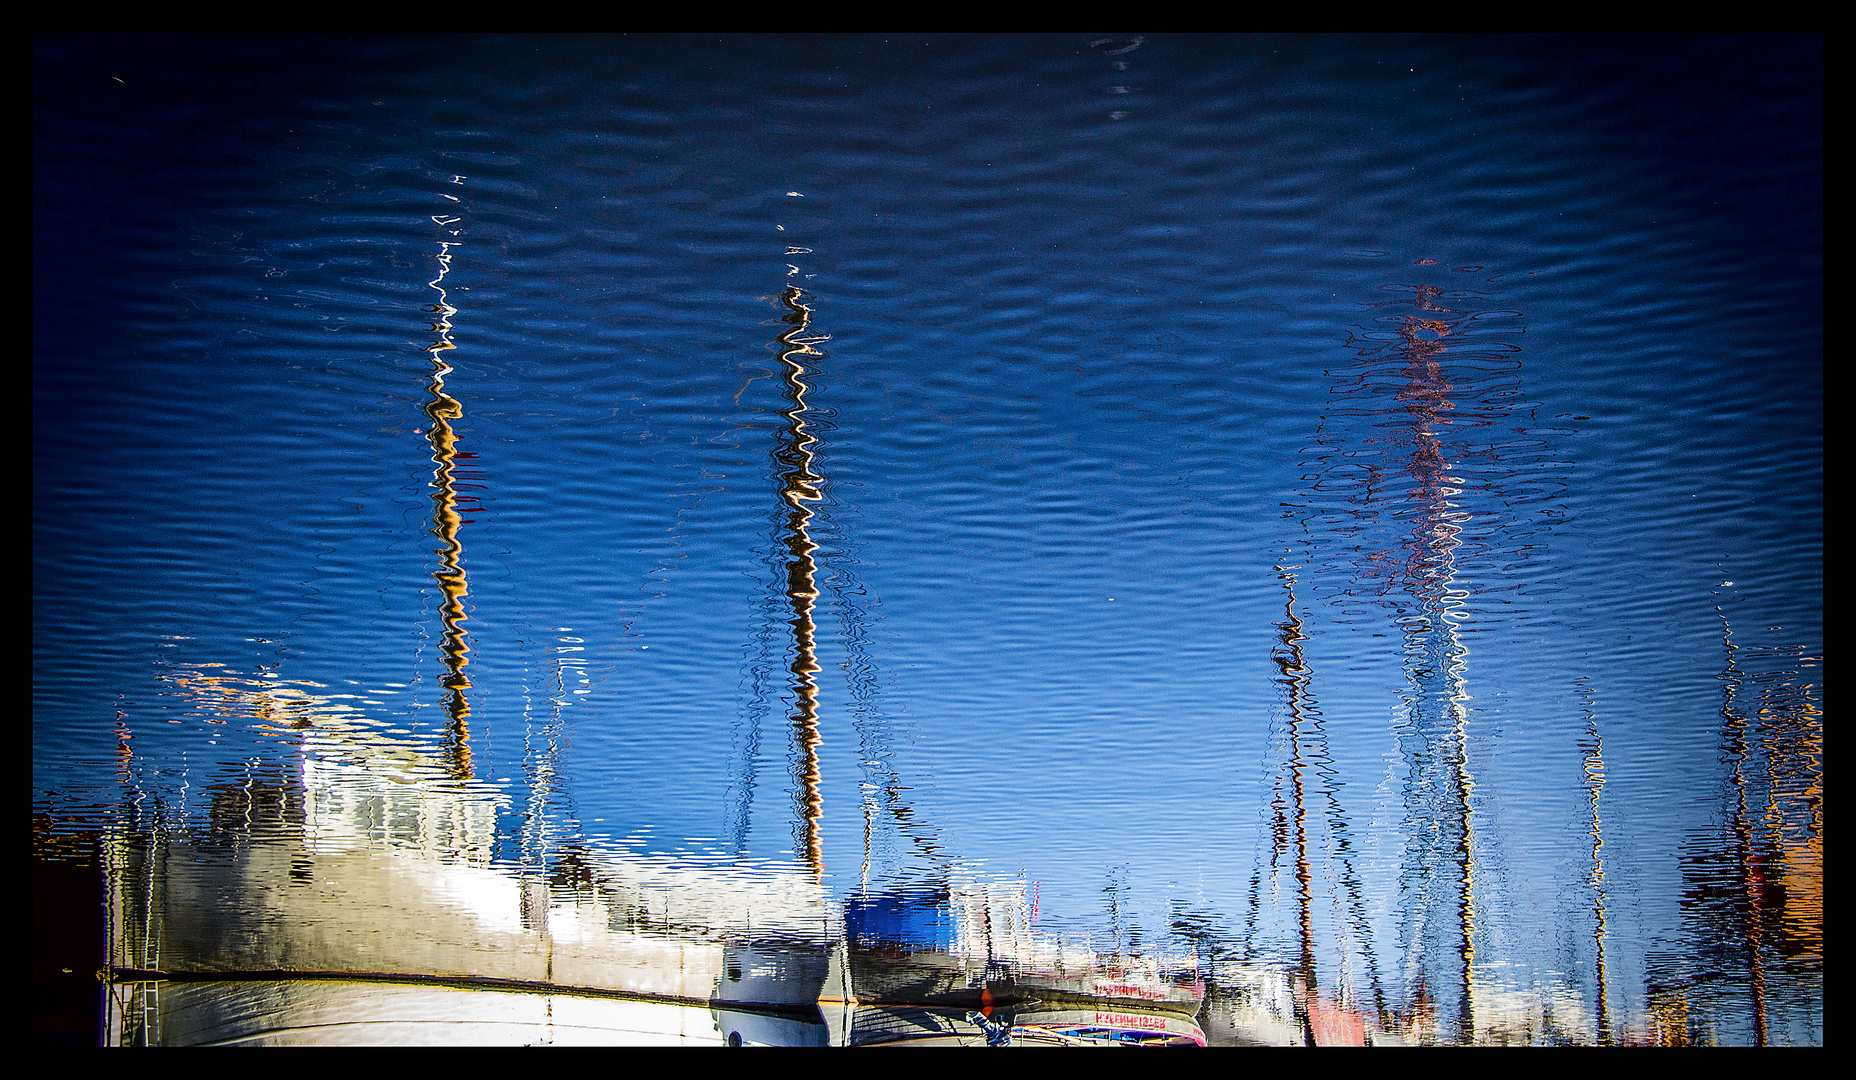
(1346, 506)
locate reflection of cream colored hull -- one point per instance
(335, 1013)
(296, 903)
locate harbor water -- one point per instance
(1070, 539)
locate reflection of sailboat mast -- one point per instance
(799, 485)
(1295, 676)
(1308, 752)
(1435, 655)
(1747, 860)
(442, 410)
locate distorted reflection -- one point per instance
(316, 871)
(355, 893)
(1379, 467)
(1593, 748)
(939, 540)
(1332, 1015)
(1752, 950)
(1438, 922)
(448, 515)
(799, 485)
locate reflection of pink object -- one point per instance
(1130, 990)
(1130, 1020)
(1335, 1026)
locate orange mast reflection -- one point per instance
(799, 485)
(442, 410)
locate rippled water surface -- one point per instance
(1334, 525)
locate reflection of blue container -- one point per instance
(919, 920)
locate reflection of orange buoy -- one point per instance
(985, 1002)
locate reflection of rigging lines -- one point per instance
(801, 484)
(1308, 752)
(1435, 657)
(1405, 363)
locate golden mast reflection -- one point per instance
(799, 486)
(442, 410)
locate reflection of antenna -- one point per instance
(442, 410)
(799, 485)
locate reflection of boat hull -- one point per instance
(799, 992)
(910, 1025)
(968, 944)
(943, 980)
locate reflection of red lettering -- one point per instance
(1129, 1020)
(1127, 990)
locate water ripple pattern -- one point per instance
(1256, 539)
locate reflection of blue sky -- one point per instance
(1073, 379)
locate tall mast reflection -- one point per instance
(1428, 375)
(1438, 876)
(1309, 754)
(1294, 670)
(442, 410)
(799, 486)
